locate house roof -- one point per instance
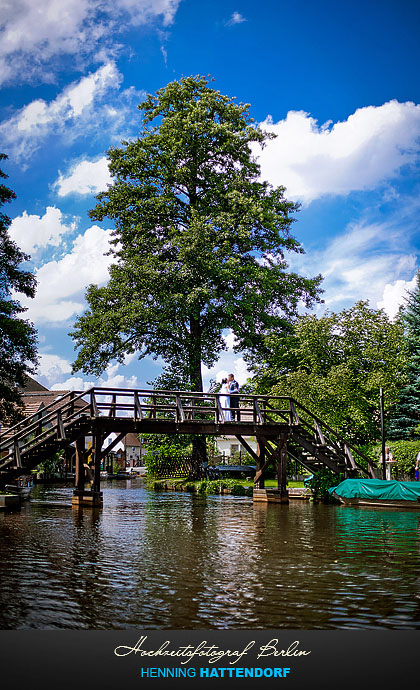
(34, 401)
(131, 440)
(31, 386)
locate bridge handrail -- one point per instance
(25, 444)
(23, 423)
(326, 427)
(180, 402)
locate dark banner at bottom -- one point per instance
(178, 659)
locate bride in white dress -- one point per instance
(225, 401)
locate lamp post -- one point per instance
(381, 398)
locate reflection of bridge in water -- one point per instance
(281, 426)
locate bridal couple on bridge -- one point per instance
(229, 400)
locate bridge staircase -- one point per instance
(100, 411)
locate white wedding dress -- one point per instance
(225, 403)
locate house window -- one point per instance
(234, 448)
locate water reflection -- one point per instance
(174, 560)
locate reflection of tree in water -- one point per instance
(43, 573)
(87, 573)
(380, 554)
(170, 560)
(377, 531)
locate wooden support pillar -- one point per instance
(279, 457)
(97, 441)
(281, 469)
(261, 460)
(82, 496)
(80, 459)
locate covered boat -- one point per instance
(378, 492)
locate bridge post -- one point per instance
(80, 470)
(282, 469)
(97, 440)
(279, 456)
(261, 455)
(83, 497)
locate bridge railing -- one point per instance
(34, 430)
(182, 406)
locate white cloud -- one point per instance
(32, 232)
(362, 152)
(35, 34)
(74, 383)
(61, 283)
(394, 295)
(73, 111)
(228, 363)
(86, 177)
(229, 339)
(52, 367)
(110, 380)
(360, 263)
(236, 18)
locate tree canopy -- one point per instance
(17, 335)
(405, 421)
(199, 241)
(335, 366)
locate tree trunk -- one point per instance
(199, 453)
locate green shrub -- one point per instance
(215, 486)
(237, 490)
(404, 452)
(321, 482)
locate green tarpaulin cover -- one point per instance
(378, 488)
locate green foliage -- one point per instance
(404, 452)
(17, 336)
(335, 366)
(199, 240)
(53, 465)
(241, 458)
(321, 482)
(215, 486)
(406, 417)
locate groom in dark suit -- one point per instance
(234, 398)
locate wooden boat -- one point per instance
(22, 487)
(378, 492)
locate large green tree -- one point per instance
(335, 366)
(199, 241)
(17, 336)
(405, 421)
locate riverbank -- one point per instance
(234, 487)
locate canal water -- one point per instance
(175, 560)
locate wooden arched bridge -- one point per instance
(280, 425)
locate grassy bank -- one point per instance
(235, 487)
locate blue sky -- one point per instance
(336, 82)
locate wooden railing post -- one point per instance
(180, 414)
(61, 433)
(71, 406)
(138, 414)
(16, 452)
(112, 409)
(93, 405)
